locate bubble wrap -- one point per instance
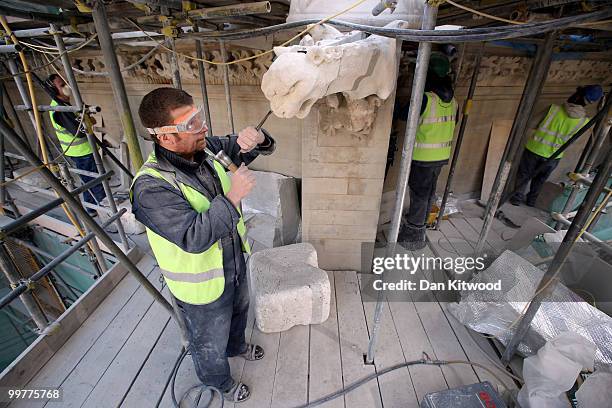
(565, 311)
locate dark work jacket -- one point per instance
(164, 210)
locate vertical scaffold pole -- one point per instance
(226, 86)
(547, 283)
(202, 72)
(531, 91)
(78, 100)
(80, 211)
(464, 119)
(110, 61)
(418, 86)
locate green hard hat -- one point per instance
(439, 64)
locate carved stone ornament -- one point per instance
(340, 112)
(503, 70)
(156, 69)
(328, 62)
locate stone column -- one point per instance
(342, 180)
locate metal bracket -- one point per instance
(170, 29)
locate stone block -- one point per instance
(272, 211)
(288, 288)
(130, 224)
(30, 182)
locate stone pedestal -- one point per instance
(342, 180)
(288, 288)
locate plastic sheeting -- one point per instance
(497, 313)
(595, 391)
(553, 371)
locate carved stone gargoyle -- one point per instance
(328, 62)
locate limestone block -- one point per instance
(271, 210)
(328, 62)
(33, 179)
(288, 288)
(130, 224)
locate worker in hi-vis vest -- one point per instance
(559, 124)
(431, 152)
(73, 140)
(191, 210)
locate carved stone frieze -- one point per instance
(513, 70)
(498, 70)
(156, 68)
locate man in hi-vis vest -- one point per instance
(431, 152)
(557, 127)
(191, 210)
(73, 139)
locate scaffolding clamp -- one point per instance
(169, 29)
(575, 176)
(188, 6)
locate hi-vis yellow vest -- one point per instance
(434, 136)
(192, 278)
(556, 129)
(71, 145)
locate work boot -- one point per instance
(516, 199)
(239, 392)
(411, 238)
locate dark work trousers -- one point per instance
(527, 172)
(216, 331)
(422, 183)
(88, 163)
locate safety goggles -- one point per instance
(195, 123)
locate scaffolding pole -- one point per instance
(14, 113)
(23, 93)
(110, 61)
(82, 213)
(593, 146)
(14, 279)
(547, 284)
(202, 72)
(47, 255)
(600, 135)
(59, 42)
(174, 66)
(531, 91)
(95, 247)
(13, 226)
(226, 87)
(28, 284)
(418, 86)
(464, 119)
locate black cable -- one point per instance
(426, 360)
(201, 387)
(436, 36)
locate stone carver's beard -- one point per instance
(328, 62)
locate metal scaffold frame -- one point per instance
(426, 36)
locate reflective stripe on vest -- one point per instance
(434, 136)
(556, 129)
(192, 278)
(71, 145)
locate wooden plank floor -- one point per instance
(122, 355)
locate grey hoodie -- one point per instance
(574, 111)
